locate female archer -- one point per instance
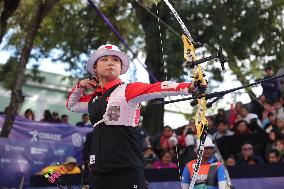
(116, 158)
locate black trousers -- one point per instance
(120, 179)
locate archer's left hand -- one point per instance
(198, 87)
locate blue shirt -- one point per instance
(221, 176)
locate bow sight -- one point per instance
(219, 55)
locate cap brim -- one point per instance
(103, 52)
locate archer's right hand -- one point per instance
(88, 84)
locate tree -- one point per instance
(9, 8)
(71, 28)
(41, 9)
(248, 31)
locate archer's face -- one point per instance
(108, 67)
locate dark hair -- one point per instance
(222, 121)
(64, 116)
(168, 127)
(46, 115)
(238, 122)
(232, 157)
(246, 143)
(270, 114)
(55, 113)
(268, 68)
(163, 152)
(30, 111)
(85, 114)
(277, 153)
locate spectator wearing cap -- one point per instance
(211, 173)
(68, 167)
(271, 88)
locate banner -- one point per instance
(38, 132)
(33, 145)
(21, 159)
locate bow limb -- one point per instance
(198, 75)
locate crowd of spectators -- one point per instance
(242, 136)
(246, 134)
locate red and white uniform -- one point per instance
(127, 97)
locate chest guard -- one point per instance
(116, 109)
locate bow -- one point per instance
(200, 84)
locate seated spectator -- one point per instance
(230, 161)
(247, 155)
(168, 139)
(273, 137)
(278, 106)
(211, 126)
(46, 116)
(65, 119)
(221, 116)
(267, 108)
(235, 113)
(150, 157)
(279, 124)
(270, 122)
(253, 161)
(68, 167)
(238, 107)
(85, 121)
(223, 130)
(188, 130)
(241, 128)
(273, 156)
(280, 148)
(29, 114)
(239, 117)
(249, 117)
(165, 161)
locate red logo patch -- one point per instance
(108, 46)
